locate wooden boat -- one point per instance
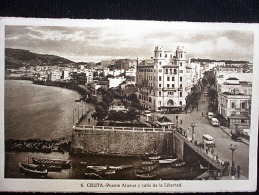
(149, 167)
(154, 157)
(93, 175)
(97, 167)
(167, 161)
(57, 162)
(115, 167)
(126, 166)
(145, 176)
(148, 162)
(178, 164)
(33, 170)
(54, 168)
(109, 172)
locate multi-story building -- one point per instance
(54, 75)
(234, 102)
(164, 81)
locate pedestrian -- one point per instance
(238, 171)
(202, 113)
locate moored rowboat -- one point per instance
(33, 170)
(59, 162)
(167, 161)
(154, 157)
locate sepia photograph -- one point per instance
(128, 106)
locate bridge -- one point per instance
(137, 141)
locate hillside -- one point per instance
(15, 58)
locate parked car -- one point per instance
(214, 122)
(210, 115)
(235, 137)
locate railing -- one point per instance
(78, 128)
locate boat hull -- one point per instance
(65, 164)
(32, 171)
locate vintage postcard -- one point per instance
(128, 106)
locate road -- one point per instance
(221, 139)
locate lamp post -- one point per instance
(232, 147)
(236, 128)
(193, 125)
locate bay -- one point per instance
(37, 111)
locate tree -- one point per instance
(204, 82)
(133, 97)
(100, 113)
(133, 114)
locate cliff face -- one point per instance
(15, 58)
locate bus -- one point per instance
(208, 139)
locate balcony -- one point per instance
(169, 89)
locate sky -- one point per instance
(97, 43)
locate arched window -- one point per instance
(170, 103)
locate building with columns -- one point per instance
(164, 81)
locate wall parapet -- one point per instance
(83, 128)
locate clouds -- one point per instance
(129, 41)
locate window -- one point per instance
(168, 85)
(165, 55)
(175, 72)
(159, 85)
(160, 55)
(181, 55)
(139, 97)
(180, 71)
(168, 78)
(159, 93)
(171, 56)
(233, 105)
(159, 103)
(160, 70)
(180, 102)
(181, 85)
(181, 94)
(160, 78)
(243, 105)
(170, 71)
(172, 78)
(181, 78)
(149, 99)
(172, 85)
(242, 120)
(166, 71)
(181, 64)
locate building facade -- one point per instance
(164, 81)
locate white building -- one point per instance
(234, 102)
(164, 82)
(115, 82)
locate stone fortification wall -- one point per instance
(121, 143)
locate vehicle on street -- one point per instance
(235, 137)
(210, 115)
(208, 139)
(214, 122)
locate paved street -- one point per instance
(222, 139)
